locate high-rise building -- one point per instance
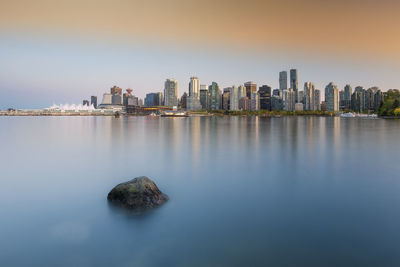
(234, 101)
(116, 99)
(294, 83)
(226, 98)
(341, 100)
(125, 96)
(348, 92)
(317, 100)
(244, 103)
(215, 93)
(242, 91)
(283, 80)
(194, 87)
(309, 96)
(193, 100)
(204, 97)
(171, 93)
(289, 99)
(276, 92)
(93, 101)
(153, 99)
(264, 93)
(85, 102)
(183, 101)
(133, 101)
(254, 104)
(251, 87)
(332, 97)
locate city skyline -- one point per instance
(59, 52)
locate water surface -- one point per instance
(292, 191)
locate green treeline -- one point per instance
(391, 104)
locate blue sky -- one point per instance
(37, 70)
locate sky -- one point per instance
(55, 51)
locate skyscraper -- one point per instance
(294, 83)
(283, 80)
(265, 97)
(317, 99)
(153, 99)
(204, 97)
(234, 101)
(309, 96)
(116, 89)
(193, 100)
(254, 101)
(348, 91)
(251, 87)
(93, 101)
(226, 98)
(171, 93)
(242, 91)
(332, 97)
(215, 93)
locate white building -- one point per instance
(107, 99)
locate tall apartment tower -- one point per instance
(283, 80)
(234, 101)
(215, 96)
(171, 93)
(309, 96)
(332, 97)
(251, 87)
(294, 84)
(193, 100)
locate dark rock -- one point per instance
(139, 193)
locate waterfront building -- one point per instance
(341, 100)
(242, 91)
(283, 80)
(348, 91)
(215, 93)
(324, 106)
(317, 100)
(171, 93)
(264, 93)
(244, 103)
(309, 96)
(193, 100)
(107, 99)
(93, 101)
(85, 102)
(294, 83)
(276, 102)
(288, 99)
(332, 97)
(298, 107)
(140, 102)
(116, 99)
(204, 98)
(378, 98)
(254, 103)
(153, 99)
(234, 98)
(358, 99)
(183, 101)
(132, 101)
(125, 96)
(300, 96)
(226, 98)
(251, 87)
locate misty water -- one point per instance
(291, 191)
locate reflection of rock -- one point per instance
(138, 193)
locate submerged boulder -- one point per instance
(139, 193)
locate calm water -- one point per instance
(243, 191)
